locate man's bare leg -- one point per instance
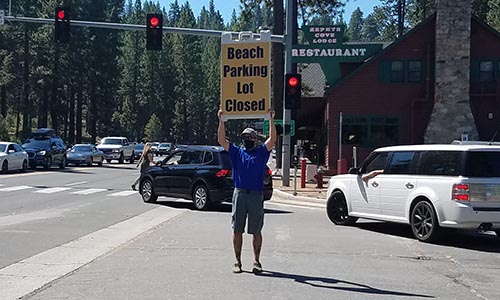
(237, 244)
(257, 245)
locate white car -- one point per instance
(12, 157)
(429, 187)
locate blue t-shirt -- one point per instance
(249, 166)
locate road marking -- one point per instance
(123, 193)
(88, 191)
(292, 205)
(76, 183)
(31, 274)
(299, 203)
(15, 188)
(52, 190)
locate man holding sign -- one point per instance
(249, 165)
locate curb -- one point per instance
(289, 196)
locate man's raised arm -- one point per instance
(221, 132)
(271, 140)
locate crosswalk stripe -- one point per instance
(88, 191)
(52, 190)
(123, 193)
(15, 188)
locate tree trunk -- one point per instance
(71, 119)
(79, 112)
(26, 105)
(42, 114)
(3, 101)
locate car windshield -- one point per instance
(166, 145)
(82, 149)
(483, 164)
(3, 147)
(33, 143)
(155, 144)
(139, 147)
(111, 142)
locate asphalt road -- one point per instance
(81, 233)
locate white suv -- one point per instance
(427, 186)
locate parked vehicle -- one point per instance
(85, 154)
(202, 174)
(12, 157)
(430, 187)
(164, 148)
(138, 150)
(117, 148)
(45, 149)
(154, 147)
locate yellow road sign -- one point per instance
(245, 75)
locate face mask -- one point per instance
(249, 144)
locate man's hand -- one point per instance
(220, 113)
(271, 114)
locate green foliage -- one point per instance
(493, 15)
(4, 131)
(153, 129)
(354, 30)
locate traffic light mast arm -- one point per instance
(221, 132)
(271, 140)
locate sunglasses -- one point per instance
(249, 137)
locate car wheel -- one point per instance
(5, 166)
(132, 157)
(25, 166)
(63, 163)
(336, 209)
(48, 163)
(90, 162)
(424, 222)
(120, 160)
(147, 191)
(201, 198)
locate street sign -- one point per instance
(291, 126)
(2, 17)
(246, 75)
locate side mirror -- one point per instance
(354, 171)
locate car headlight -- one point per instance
(41, 152)
(116, 150)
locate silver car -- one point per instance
(85, 154)
(12, 157)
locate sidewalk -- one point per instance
(311, 192)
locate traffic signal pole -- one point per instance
(287, 113)
(178, 30)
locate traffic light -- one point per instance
(61, 29)
(154, 31)
(293, 90)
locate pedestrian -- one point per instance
(249, 165)
(144, 162)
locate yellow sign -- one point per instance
(245, 76)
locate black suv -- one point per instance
(199, 173)
(45, 149)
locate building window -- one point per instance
(370, 131)
(397, 71)
(486, 71)
(414, 71)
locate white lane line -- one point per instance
(52, 190)
(76, 183)
(31, 274)
(122, 193)
(15, 188)
(88, 191)
(296, 206)
(299, 203)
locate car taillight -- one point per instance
(460, 192)
(269, 172)
(223, 173)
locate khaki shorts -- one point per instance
(247, 203)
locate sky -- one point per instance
(226, 6)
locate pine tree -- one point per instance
(353, 32)
(493, 15)
(153, 130)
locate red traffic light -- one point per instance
(154, 21)
(60, 14)
(293, 81)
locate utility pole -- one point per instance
(287, 113)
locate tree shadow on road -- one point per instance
(337, 284)
(470, 240)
